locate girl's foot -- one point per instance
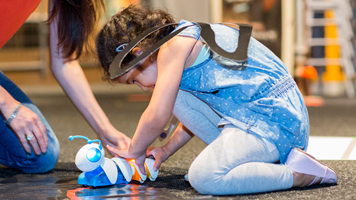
(309, 171)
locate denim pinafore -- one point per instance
(260, 96)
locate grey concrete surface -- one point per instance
(336, 118)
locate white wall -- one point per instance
(191, 10)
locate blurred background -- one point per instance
(314, 38)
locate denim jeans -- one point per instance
(234, 162)
(12, 153)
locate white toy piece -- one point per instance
(101, 171)
(131, 172)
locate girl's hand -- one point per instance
(125, 153)
(27, 123)
(160, 155)
(115, 138)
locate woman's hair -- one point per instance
(76, 20)
(125, 26)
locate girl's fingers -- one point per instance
(157, 165)
(142, 168)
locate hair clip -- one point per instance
(121, 47)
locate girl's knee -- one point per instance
(196, 180)
(201, 179)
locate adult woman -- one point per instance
(23, 126)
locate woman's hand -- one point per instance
(115, 138)
(25, 124)
(125, 153)
(160, 155)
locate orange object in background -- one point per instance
(313, 101)
(13, 13)
(305, 75)
(308, 72)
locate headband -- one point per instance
(240, 54)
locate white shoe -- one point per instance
(301, 162)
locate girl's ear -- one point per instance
(137, 51)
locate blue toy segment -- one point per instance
(93, 155)
(98, 178)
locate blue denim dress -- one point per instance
(259, 97)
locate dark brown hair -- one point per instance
(126, 26)
(76, 20)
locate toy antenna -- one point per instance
(89, 140)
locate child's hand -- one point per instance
(125, 153)
(160, 155)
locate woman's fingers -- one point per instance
(39, 139)
(31, 138)
(113, 150)
(42, 129)
(24, 142)
(122, 144)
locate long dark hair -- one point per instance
(76, 21)
(125, 26)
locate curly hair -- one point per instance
(125, 26)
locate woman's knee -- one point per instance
(46, 161)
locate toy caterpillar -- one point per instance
(101, 171)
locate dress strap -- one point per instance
(240, 54)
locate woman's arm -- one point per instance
(70, 76)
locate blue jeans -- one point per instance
(12, 153)
(234, 162)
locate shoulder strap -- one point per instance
(116, 69)
(240, 54)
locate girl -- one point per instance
(251, 115)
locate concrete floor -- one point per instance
(336, 118)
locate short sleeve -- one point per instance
(192, 31)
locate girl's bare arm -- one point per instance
(179, 138)
(171, 61)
